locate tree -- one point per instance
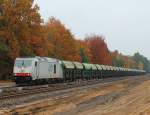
(21, 28)
(63, 43)
(85, 53)
(142, 59)
(140, 66)
(99, 50)
(129, 62)
(117, 59)
(84, 58)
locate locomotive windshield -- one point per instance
(23, 63)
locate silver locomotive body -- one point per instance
(27, 70)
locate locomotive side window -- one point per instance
(54, 68)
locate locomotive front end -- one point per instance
(23, 69)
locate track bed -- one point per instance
(78, 100)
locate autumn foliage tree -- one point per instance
(63, 43)
(21, 28)
(135, 62)
(142, 61)
(85, 52)
(99, 50)
(117, 59)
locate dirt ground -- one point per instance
(122, 98)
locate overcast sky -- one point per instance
(124, 23)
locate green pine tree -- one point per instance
(84, 57)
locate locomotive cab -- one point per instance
(24, 69)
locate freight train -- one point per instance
(50, 70)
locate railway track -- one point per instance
(29, 94)
(24, 91)
(30, 90)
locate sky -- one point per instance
(125, 24)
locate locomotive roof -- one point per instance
(23, 58)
